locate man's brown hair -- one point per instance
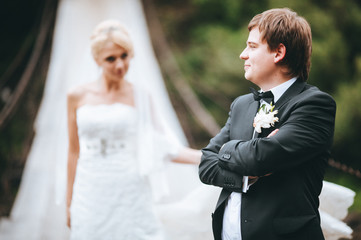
(282, 25)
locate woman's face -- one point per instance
(114, 60)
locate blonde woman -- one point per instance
(117, 145)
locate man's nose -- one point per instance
(244, 54)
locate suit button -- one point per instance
(246, 221)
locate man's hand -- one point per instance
(254, 178)
(273, 133)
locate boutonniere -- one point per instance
(265, 118)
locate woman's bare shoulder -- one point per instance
(77, 93)
(81, 90)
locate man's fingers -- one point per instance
(273, 133)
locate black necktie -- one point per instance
(266, 96)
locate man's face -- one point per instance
(259, 62)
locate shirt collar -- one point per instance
(279, 90)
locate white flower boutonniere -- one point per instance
(265, 118)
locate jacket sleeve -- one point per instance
(209, 170)
(305, 134)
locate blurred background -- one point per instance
(198, 43)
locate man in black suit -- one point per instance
(271, 166)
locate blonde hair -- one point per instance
(110, 30)
(282, 25)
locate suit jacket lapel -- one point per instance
(223, 197)
(251, 113)
(292, 91)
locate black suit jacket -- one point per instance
(283, 205)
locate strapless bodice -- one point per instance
(106, 129)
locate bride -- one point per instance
(113, 165)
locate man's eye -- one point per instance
(110, 59)
(124, 55)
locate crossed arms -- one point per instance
(305, 134)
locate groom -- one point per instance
(271, 166)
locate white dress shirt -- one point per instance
(232, 213)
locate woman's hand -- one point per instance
(68, 217)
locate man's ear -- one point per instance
(280, 53)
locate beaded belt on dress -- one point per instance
(104, 147)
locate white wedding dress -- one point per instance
(110, 198)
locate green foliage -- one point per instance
(228, 12)
(329, 62)
(206, 65)
(348, 120)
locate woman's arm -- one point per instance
(184, 155)
(188, 156)
(73, 149)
